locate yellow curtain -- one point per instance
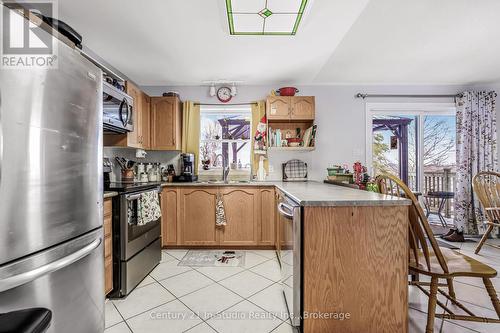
(258, 111)
(191, 131)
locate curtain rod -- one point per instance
(363, 96)
(235, 104)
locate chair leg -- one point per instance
(451, 289)
(484, 238)
(431, 308)
(493, 295)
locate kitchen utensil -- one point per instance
(121, 162)
(287, 91)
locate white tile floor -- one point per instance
(204, 299)
(209, 300)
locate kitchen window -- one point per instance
(225, 139)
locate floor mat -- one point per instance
(213, 258)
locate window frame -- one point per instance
(222, 109)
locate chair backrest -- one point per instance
(486, 185)
(419, 228)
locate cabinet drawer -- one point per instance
(108, 226)
(108, 247)
(108, 207)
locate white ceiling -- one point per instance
(172, 42)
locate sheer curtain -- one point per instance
(476, 151)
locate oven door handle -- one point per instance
(285, 210)
(132, 197)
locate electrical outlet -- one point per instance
(271, 169)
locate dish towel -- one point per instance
(148, 208)
(220, 213)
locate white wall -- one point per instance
(339, 115)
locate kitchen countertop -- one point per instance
(313, 193)
(110, 194)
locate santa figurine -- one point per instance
(260, 135)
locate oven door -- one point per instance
(117, 110)
(133, 237)
(290, 248)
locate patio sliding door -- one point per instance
(416, 142)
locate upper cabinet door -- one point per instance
(134, 137)
(165, 123)
(145, 121)
(302, 108)
(278, 107)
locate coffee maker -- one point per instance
(187, 169)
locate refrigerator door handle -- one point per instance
(1, 138)
(25, 277)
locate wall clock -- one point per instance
(224, 94)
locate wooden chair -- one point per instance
(486, 185)
(427, 258)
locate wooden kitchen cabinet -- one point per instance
(145, 122)
(302, 108)
(140, 136)
(241, 205)
(108, 246)
(169, 213)
(290, 108)
(188, 216)
(267, 223)
(166, 122)
(197, 216)
(278, 107)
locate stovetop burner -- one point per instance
(129, 187)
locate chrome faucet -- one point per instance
(225, 167)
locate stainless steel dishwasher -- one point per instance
(290, 256)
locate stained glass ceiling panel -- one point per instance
(265, 17)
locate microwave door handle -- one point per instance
(285, 210)
(124, 104)
(25, 277)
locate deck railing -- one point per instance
(437, 181)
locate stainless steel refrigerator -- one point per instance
(51, 249)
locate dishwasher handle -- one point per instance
(285, 210)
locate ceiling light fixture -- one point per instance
(265, 17)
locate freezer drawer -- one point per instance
(69, 281)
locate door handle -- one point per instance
(25, 277)
(281, 208)
(1, 139)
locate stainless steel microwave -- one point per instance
(118, 108)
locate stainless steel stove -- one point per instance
(136, 248)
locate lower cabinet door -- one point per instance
(169, 210)
(242, 214)
(197, 216)
(267, 223)
(108, 274)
